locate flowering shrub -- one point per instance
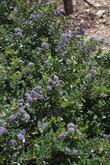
(55, 90)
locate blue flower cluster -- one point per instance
(54, 82)
(60, 12)
(69, 151)
(18, 32)
(71, 128)
(3, 131)
(21, 135)
(64, 42)
(26, 103)
(44, 44)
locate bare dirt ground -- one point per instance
(95, 21)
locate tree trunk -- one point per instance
(68, 5)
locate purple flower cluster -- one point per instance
(68, 151)
(29, 98)
(75, 151)
(100, 40)
(79, 42)
(21, 62)
(64, 39)
(27, 105)
(21, 114)
(30, 65)
(20, 102)
(21, 137)
(44, 44)
(33, 95)
(21, 111)
(26, 117)
(61, 136)
(35, 16)
(55, 82)
(60, 12)
(46, 62)
(12, 118)
(3, 131)
(71, 128)
(37, 88)
(49, 88)
(64, 42)
(80, 30)
(18, 32)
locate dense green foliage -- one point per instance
(55, 90)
